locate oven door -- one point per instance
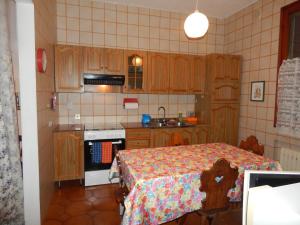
(90, 164)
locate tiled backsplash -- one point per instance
(99, 108)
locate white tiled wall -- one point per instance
(94, 23)
(254, 33)
(99, 108)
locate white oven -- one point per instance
(96, 169)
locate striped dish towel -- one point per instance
(106, 152)
(96, 152)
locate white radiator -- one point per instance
(290, 159)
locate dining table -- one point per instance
(164, 182)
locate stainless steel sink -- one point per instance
(168, 123)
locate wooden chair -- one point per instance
(251, 144)
(177, 139)
(216, 182)
(122, 191)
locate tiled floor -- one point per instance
(76, 205)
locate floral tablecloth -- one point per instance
(164, 182)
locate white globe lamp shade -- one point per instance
(196, 25)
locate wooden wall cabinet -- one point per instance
(67, 69)
(136, 71)
(103, 60)
(158, 72)
(181, 69)
(224, 73)
(68, 155)
(198, 75)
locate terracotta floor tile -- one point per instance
(78, 208)
(56, 212)
(80, 220)
(78, 194)
(77, 205)
(107, 218)
(104, 192)
(105, 204)
(52, 222)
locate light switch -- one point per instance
(77, 116)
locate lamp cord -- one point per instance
(196, 4)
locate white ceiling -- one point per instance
(213, 8)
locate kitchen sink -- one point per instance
(168, 123)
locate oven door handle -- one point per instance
(117, 142)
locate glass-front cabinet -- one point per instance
(136, 71)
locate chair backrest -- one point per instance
(216, 182)
(251, 144)
(177, 139)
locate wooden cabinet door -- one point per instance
(219, 122)
(136, 73)
(67, 69)
(232, 67)
(160, 137)
(232, 125)
(201, 135)
(198, 76)
(217, 67)
(93, 60)
(158, 72)
(180, 73)
(68, 156)
(114, 61)
(226, 92)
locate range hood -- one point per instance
(103, 83)
(103, 79)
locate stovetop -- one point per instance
(103, 126)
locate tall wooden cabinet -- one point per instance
(68, 69)
(220, 104)
(68, 155)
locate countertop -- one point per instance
(69, 127)
(137, 125)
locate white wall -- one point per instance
(27, 81)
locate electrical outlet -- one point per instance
(77, 116)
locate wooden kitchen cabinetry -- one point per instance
(220, 105)
(161, 137)
(225, 123)
(181, 69)
(137, 138)
(103, 60)
(136, 70)
(158, 72)
(224, 74)
(68, 155)
(201, 134)
(198, 75)
(67, 69)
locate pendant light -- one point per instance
(196, 24)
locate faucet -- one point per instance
(163, 108)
